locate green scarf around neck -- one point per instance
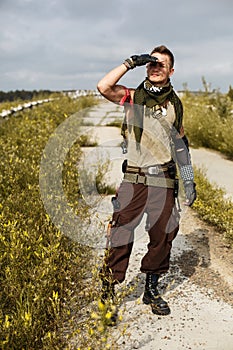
(148, 95)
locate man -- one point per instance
(155, 140)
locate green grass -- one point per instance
(212, 206)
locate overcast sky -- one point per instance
(71, 44)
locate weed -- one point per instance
(212, 207)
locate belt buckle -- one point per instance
(153, 170)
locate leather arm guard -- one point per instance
(183, 159)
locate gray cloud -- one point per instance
(64, 44)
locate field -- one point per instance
(48, 280)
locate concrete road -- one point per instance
(199, 296)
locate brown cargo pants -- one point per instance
(163, 222)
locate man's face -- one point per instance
(160, 72)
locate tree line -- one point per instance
(23, 95)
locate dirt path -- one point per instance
(199, 285)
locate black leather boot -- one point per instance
(151, 296)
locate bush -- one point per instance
(43, 273)
(209, 121)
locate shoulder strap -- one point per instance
(175, 100)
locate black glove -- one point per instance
(190, 192)
(139, 60)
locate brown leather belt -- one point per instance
(150, 170)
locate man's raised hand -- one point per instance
(139, 60)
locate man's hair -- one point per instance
(165, 51)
